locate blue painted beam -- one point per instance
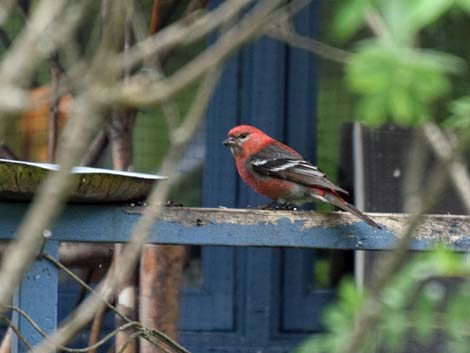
(38, 297)
(242, 227)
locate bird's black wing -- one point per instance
(295, 170)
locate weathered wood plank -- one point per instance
(247, 227)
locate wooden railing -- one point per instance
(38, 293)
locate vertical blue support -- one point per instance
(272, 87)
(37, 296)
(220, 188)
(263, 104)
(302, 305)
(262, 97)
(300, 127)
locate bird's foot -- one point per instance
(278, 206)
(269, 206)
(170, 203)
(288, 207)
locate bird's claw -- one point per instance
(278, 206)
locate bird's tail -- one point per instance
(345, 206)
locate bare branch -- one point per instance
(142, 229)
(39, 38)
(183, 32)
(391, 265)
(377, 25)
(5, 8)
(56, 73)
(48, 201)
(444, 150)
(96, 149)
(134, 93)
(86, 119)
(5, 346)
(303, 42)
(6, 152)
(154, 21)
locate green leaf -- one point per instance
(448, 263)
(339, 317)
(349, 18)
(372, 110)
(425, 12)
(458, 318)
(423, 317)
(404, 18)
(398, 83)
(402, 105)
(368, 69)
(395, 16)
(312, 345)
(460, 114)
(394, 325)
(464, 5)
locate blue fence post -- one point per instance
(38, 297)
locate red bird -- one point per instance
(277, 171)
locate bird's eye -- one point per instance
(243, 135)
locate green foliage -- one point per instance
(349, 18)
(415, 301)
(424, 12)
(395, 80)
(464, 5)
(402, 18)
(459, 119)
(457, 314)
(350, 300)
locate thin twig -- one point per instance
(96, 327)
(6, 152)
(98, 344)
(370, 314)
(129, 339)
(310, 44)
(26, 53)
(96, 150)
(392, 264)
(443, 149)
(5, 8)
(182, 33)
(4, 39)
(17, 331)
(56, 72)
(249, 28)
(85, 285)
(154, 333)
(86, 119)
(142, 228)
(5, 346)
(155, 19)
(377, 25)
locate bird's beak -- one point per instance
(230, 142)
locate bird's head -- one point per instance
(245, 140)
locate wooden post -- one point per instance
(161, 272)
(125, 303)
